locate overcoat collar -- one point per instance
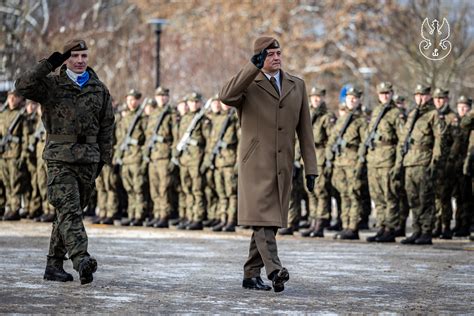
(287, 84)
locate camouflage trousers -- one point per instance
(319, 199)
(40, 188)
(443, 208)
(191, 184)
(160, 183)
(107, 197)
(349, 187)
(294, 210)
(419, 188)
(212, 198)
(464, 200)
(133, 181)
(32, 197)
(384, 197)
(225, 179)
(69, 190)
(2, 193)
(13, 177)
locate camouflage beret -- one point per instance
(162, 91)
(399, 98)
(264, 42)
(194, 96)
(440, 93)
(422, 89)
(354, 91)
(74, 45)
(317, 91)
(152, 102)
(134, 93)
(384, 87)
(464, 99)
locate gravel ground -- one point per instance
(145, 270)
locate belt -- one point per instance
(383, 143)
(78, 139)
(421, 147)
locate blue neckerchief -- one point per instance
(83, 79)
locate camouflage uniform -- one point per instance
(79, 124)
(210, 193)
(32, 194)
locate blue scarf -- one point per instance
(81, 79)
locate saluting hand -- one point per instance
(259, 59)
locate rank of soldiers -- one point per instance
(176, 165)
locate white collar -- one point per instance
(73, 76)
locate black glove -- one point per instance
(57, 59)
(310, 179)
(259, 59)
(99, 168)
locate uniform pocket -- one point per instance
(250, 150)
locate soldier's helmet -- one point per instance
(440, 93)
(399, 98)
(465, 99)
(384, 87)
(162, 91)
(151, 102)
(355, 91)
(134, 93)
(194, 96)
(422, 89)
(317, 91)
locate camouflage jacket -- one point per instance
(427, 146)
(134, 154)
(71, 110)
(194, 153)
(227, 155)
(386, 137)
(323, 122)
(453, 132)
(353, 140)
(467, 128)
(164, 137)
(17, 148)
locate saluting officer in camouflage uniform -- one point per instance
(342, 151)
(190, 163)
(158, 149)
(320, 200)
(421, 153)
(132, 170)
(445, 176)
(13, 153)
(384, 131)
(78, 117)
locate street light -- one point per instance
(157, 23)
(367, 74)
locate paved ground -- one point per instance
(145, 270)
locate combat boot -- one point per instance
(12, 216)
(312, 227)
(137, 222)
(87, 267)
(411, 240)
(364, 224)
(162, 223)
(107, 221)
(174, 221)
(49, 218)
(337, 226)
(377, 235)
(97, 220)
(279, 278)
(183, 224)
(37, 219)
(349, 234)
(319, 229)
(400, 231)
(387, 236)
(446, 234)
(462, 232)
(437, 231)
(56, 273)
(197, 225)
(286, 231)
(424, 239)
(126, 221)
(304, 224)
(218, 227)
(151, 223)
(210, 222)
(229, 227)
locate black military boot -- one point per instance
(400, 231)
(312, 227)
(97, 220)
(378, 234)
(364, 224)
(337, 226)
(107, 221)
(87, 267)
(197, 225)
(304, 224)
(387, 236)
(183, 224)
(424, 239)
(462, 231)
(210, 222)
(174, 221)
(319, 229)
(411, 240)
(447, 233)
(349, 234)
(126, 221)
(49, 218)
(37, 219)
(151, 223)
(55, 272)
(137, 222)
(12, 216)
(162, 223)
(436, 231)
(279, 278)
(218, 227)
(230, 228)
(286, 231)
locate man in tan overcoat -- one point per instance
(272, 105)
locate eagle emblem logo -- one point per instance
(435, 44)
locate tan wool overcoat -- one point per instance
(267, 149)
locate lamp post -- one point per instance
(157, 24)
(367, 74)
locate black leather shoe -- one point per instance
(230, 228)
(255, 284)
(424, 239)
(87, 267)
(195, 226)
(107, 221)
(162, 223)
(387, 236)
(279, 280)
(377, 235)
(411, 240)
(57, 273)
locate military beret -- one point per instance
(354, 91)
(464, 99)
(75, 44)
(317, 91)
(384, 87)
(162, 91)
(422, 89)
(440, 93)
(182, 100)
(134, 93)
(215, 97)
(264, 42)
(399, 98)
(194, 96)
(151, 102)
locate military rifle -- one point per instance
(220, 142)
(186, 139)
(406, 143)
(369, 141)
(4, 106)
(155, 137)
(336, 148)
(128, 140)
(37, 136)
(8, 137)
